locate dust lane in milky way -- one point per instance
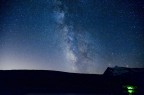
(82, 36)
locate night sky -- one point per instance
(82, 36)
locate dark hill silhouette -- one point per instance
(21, 82)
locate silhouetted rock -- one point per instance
(123, 71)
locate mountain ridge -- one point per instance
(39, 81)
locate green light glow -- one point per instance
(130, 91)
(130, 87)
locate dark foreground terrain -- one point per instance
(39, 82)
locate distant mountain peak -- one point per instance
(117, 71)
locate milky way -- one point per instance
(81, 36)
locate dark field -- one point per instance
(40, 82)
